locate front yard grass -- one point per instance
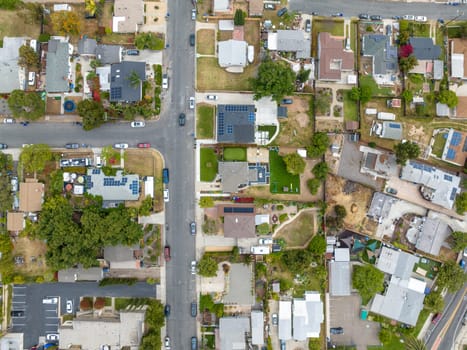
(438, 145)
(210, 76)
(419, 29)
(118, 39)
(205, 41)
(209, 164)
(319, 25)
(281, 180)
(235, 154)
(350, 107)
(205, 121)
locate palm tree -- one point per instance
(91, 7)
(413, 343)
(134, 79)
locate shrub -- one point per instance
(99, 303)
(85, 304)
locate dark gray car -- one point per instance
(72, 145)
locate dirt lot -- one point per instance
(329, 124)
(33, 253)
(356, 204)
(147, 163)
(53, 106)
(299, 232)
(297, 128)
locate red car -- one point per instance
(144, 145)
(167, 253)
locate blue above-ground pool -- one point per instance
(69, 106)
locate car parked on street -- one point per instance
(192, 102)
(337, 14)
(193, 228)
(17, 313)
(192, 40)
(144, 145)
(193, 14)
(408, 17)
(8, 121)
(181, 119)
(337, 330)
(167, 308)
(193, 267)
(167, 343)
(121, 145)
(165, 175)
(421, 19)
(138, 124)
(308, 26)
(282, 12)
(212, 97)
(436, 318)
(194, 309)
(166, 195)
(375, 17)
(275, 320)
(165, 81)
(194, 343)
(69, 306)
(363, 16)
(72, 145)
(3, 146)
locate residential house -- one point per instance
(13, 76)
(104, 77)
(458, 49)
(123, 257)
(378, 163)
(116, 188)
(438, 186)
(74, 274)
(232, 54)
(126, 81)
(455, 148)
(428, 57)
(31, 195)
(257, 327)
(334, 59)
(296, 41)
(255, 8)
(221, 6)
(236, 124)
(428, 234)
(226, 25)
(87, 46)
(340, 272)
(15, 222)
(237, 175)
(233, 333)
(122, 330)
(58, 66)
(380, 206)
(109, 54)
(308, 315)
(239, 220)
(404, 296)
(128, 16)
(240, 291)
(285, 320)
(388, 130)
(383, 57)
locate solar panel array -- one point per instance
(423, 167)
(451, 154)
(394, 125)
(220, 124)
(448, 177)
(238, 210)
(89, 183)
(456, 138)
(134, 187)
(453, 194)
(251, 117)
(110, 181)
(115, 93)
(236, 108)
(96, 171)
(230, 129)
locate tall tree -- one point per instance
(239, 17)
(448, 97)
(207, 266)
(92, 113)
(27, 105)
(313, 185)
(434, 301)
(66, 22)
(317, 245)
(275, 79)
(451, 276)
(320, 171)
(34, 157)
(461, 203)
(318, 146)
(368, 280)
(28, 57)
(295, 164)
(406, 64)
(460, 241)
(134, 79)
(412, 343)
(405, 151)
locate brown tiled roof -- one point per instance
(461, 108)
(239, 226)
(460, 46)
(238, 33)
(255, 8)
(351, 125)
(31, 193)
(332, 57)
(15, 221)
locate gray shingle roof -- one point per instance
(384, 54)
(340, 278)
(424, 49)
(9, 69)
(236, 123)
(108, 54)
(232, 332)
(57, 67)
(392, 130)
(232, 53)
(120, 82)
(294, 41)
(87, 46)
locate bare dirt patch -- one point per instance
(53, 106)
(299, 232)
(297, 128)
(33, 254)
(329, 124)
(356, 204)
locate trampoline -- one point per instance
(69, 106)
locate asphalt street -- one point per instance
(386, 9)
(41, 319)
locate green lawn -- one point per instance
(319, 25)
(212, 77)
(235, 153)
(280, 178)
(438, 145)
(419, 29)
(205, 122)
(367, 80)
(394, 344)
(350, 107)
(208, 164)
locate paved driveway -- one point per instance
(345, 313)
(148, 56)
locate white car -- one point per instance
(408, 17)
(8, 121)
(420, 19)
(193, 267)
(166, 195)
(167, 343)
(212, 97)
(192, 103)
(265, 241)
(52, 337)
(193, 14)
(69, 306)
(121, 145)
(165, 81)
(138, 124)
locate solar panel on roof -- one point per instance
(115, 93)
(453, 194)
(229, 129)
(451, 154)
(448, 177)
(394, 125)
(251, 117)
(456, 138)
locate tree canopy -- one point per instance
(405, 151)
(27, 105)
(320, 171)
(451, 276)
(66, 22)
(151, 41)
(295, 164)
(448, 97)
(368, 280)
(461, 203)
(28, 57)
(313, 185)
(407, 63)
(319, 145)
(207, 266)
(239, 17)
(296, 260)
(460, 241)
(317, 245)
(34, 157)
(275, 79)
(434, 301)
(92, 113)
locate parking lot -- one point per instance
(39, 319)
(345, 313)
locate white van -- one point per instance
(50, 300)
(98, 162)
(32, 78)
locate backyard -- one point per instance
(438, 145)
(350, 107)
(300, 230)
(234, 154)
(367, 80)
(208, 164)
(281, 180)
(205, 121)
(18, 23)
(205, 41)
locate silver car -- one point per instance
(192, 103)
(121, 145)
